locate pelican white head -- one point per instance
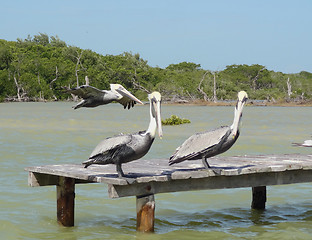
(155, 101)
(122, 92)
(242, 98)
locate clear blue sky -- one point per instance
(214, 34)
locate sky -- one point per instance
(214, 34)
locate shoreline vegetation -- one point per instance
(38, 67)
(256, 103)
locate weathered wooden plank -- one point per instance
(217, 182)
(65, 201)
(39, 179)
(157, 170)
(42, 179)
(145, 208)
(258, 198)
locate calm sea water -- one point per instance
(52, 133)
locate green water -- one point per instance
(52, 133)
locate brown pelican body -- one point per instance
(93, 97)
(129, 147)
(210, 143)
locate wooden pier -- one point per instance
(149, 177)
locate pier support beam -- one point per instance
(65, 190)
(258, 197)
(145, 208)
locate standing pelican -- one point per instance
(126, 148)
(93, 97)
(210, 143)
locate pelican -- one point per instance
(93, 97)
(306, 143)
(126, 148)
(210, 143)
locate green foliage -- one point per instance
(41, 65)
(184, 67)
(175, 120)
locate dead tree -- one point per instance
(255, 79)
(77, 69)
(51, 83)
(41, 95)
(201, 90)
(20, 90)
(21, 93)
(190, 96)
(214, 98)
(289, 92)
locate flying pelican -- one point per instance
(93, 97)
(210, 143)
(126, 148)
(306, 143)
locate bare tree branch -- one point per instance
(51, 83)
(190, 96)
(19, 98)
(78, 57)
(137, 85)
(255, 79)
(214, 98)
(289, 92)
(56, 76)
(201, 90)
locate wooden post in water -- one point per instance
(65, 201)
(258, 197)
(145, 208)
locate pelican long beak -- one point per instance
(242, 99)
(158, 118)
(125, 93)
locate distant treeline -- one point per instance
(36, 68)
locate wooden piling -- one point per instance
(258, 197)
(65, 201)
(155, 176)
(145, 207)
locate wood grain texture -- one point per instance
(155, 176)
(65, 190)
(145, 208)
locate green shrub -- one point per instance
(174, 120)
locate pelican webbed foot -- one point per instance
(129, 180)
(121, 175)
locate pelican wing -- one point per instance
(126, 102)
(110, 143)
(198, 144)
(86, 91)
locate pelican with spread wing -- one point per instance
(93, 97)
(129, 147)
(210, 143)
